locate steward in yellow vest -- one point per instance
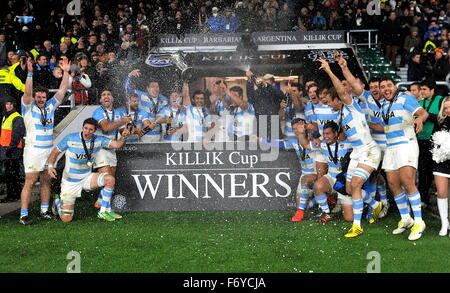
(12, 132)
(11, 143)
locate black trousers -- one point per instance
(12, 177)
(425, 169)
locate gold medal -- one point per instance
(339, 168)
(388, 128)
(89, 163)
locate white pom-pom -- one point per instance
(441, 146)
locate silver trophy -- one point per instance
(178, 60)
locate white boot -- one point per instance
(443, 213)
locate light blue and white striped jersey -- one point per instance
(343, 147)
(353, 121)
(112, 116)
(372, 108)
(198, 121)
(243, 121)
(304, 157)
(400, 127)
(151, 105)
(137, 118)
(76, 168)
(323, 115)
(178, 120)
(310, 110)
(39, 135)
(291, 114)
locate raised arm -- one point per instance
(186, 97)
(303, 138)
(28, 94)
(356, 86)
(134, 73)
(342, 93)
(60, 94)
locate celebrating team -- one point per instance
(340, 137)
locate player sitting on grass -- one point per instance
(77, 176)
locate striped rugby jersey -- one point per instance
(304, 156)
(76, 168)
(178, 120)
(146, 102)
(101, 114)
(243, 122)
(400, 127)
(353, 121)
(373, 114)
(39, 135)
(137, 118)
(343, 147)
(291, 114)
(322, 115)
(198, 121)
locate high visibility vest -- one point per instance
(6, 134)
(9, 77)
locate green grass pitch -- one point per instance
(215, 242)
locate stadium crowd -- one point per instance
(340, 131)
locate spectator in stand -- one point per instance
(441, 65)
(269, 20)
(178, 25)
(335, 21)
(215, 22)
(3, 49)
(391, 36)
(55, 81)
(49, 50)
(202, 20)
(79, 82)
(64, 51)
(319, 22)
(285, 18)
(42, 72)
(415, 70)
(230, 22)
(413, 43)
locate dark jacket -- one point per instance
(18, 132)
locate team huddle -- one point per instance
(343, 136)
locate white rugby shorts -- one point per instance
(105, 157)
(401, 155)
(35, 159)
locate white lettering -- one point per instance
(283, 184)
(260, 186)
(234, 185)
(148, 184)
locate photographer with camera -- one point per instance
(79, 82)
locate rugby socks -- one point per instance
(23, 212)
(357, 211)
(402, 205)
(106, 194)
(322, 201)
(312, 202)
(99, 199)
(416, 206)
(367, 195)
(303, 197)
(58, 206)
(382, 192)
(44, 208)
